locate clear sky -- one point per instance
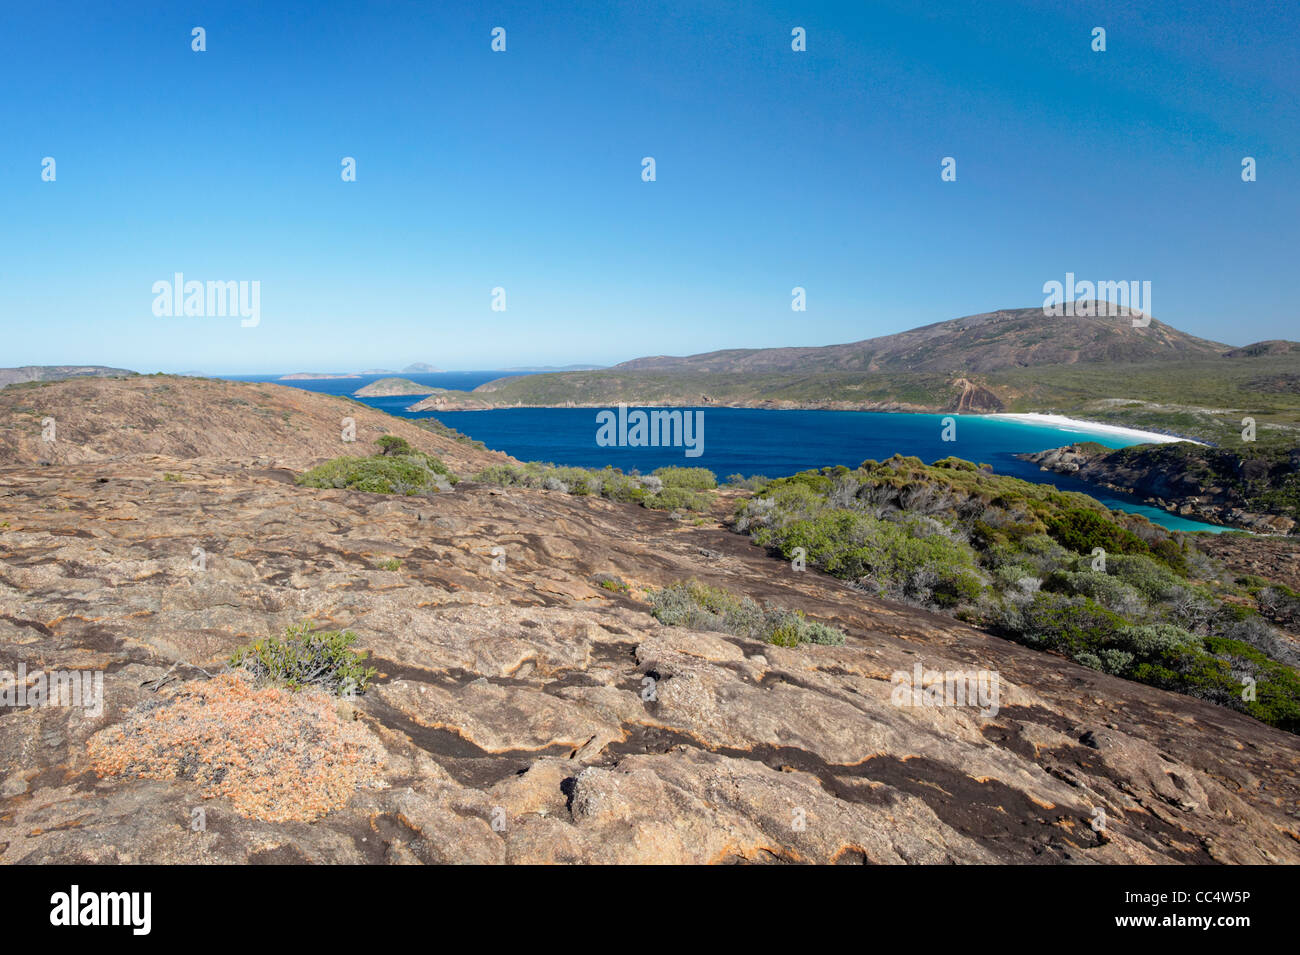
(522, 170)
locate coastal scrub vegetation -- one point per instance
(703, 607)
(667, 489)
(323, 658)
(396, 469)
(1052, 569)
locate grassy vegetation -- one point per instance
(667, 489)
(1051, 569)
(396, 469)
(303, 658)
(702, 607)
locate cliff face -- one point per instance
(523, 712)
(1254, 489)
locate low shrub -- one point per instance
(397, 469)
(703, 607)
(304, 657)
(692, 479)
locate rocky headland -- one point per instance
(1255, 489)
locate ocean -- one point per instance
(752, 441)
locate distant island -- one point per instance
(388, 387)
(377, 371)
(421, 368)
(314, 376)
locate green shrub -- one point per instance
(677, 499)
(414, 473)
(1082, 530)
(692, 479)
(305, 658)
(1069, 625)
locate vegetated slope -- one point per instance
(9, 376)
(104, 418)
(976, 343)
(1055, 570)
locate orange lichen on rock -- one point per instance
(276, 755)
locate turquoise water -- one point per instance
(752, 441)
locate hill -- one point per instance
(25, 373)
(98, 419)
(1009, 338)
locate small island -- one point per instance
(388, 387)
(313, 376)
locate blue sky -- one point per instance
(522, 170)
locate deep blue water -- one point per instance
(751, 441)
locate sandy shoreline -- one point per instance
(1092, 427)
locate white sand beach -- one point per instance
(1092, 427)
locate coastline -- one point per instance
(1092, 427)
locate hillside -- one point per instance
(187, 418)
(1008, 338)
(531, 709)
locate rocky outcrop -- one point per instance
(524, 713)
(1175, 478)
(262, 425)
(974, 398)
(441, 400)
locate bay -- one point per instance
(750, 441)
